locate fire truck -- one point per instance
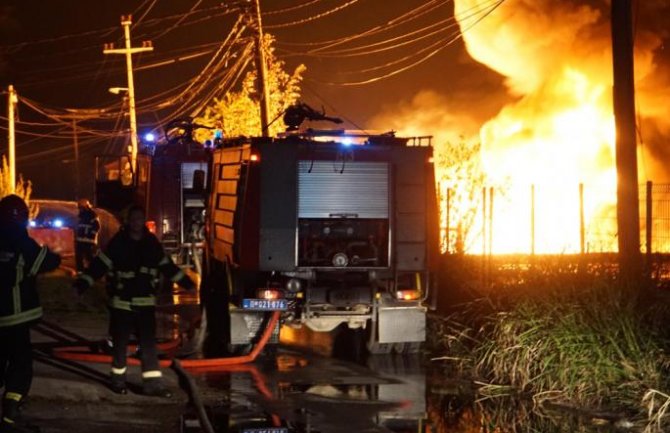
(333, 228)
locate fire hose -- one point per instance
(83, 352)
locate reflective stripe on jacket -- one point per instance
(133, 267)
(21, 259)
(88, 227)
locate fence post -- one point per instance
(448, 219)
(484, 270)
(582, 225)
(484, 213)
(532, 219)
(649, 222)
(490, 221)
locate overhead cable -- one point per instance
(312, 18)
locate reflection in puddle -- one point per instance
(287, 363)
(312, 392)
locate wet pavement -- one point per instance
(309, 384)
(303, 392)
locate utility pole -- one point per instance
(75, 143)
(76, 115)
(628, 215)
(261, 71)
(12, 100)
(128, 51)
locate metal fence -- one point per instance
(554, 219)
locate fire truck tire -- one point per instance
(379, 348)
(407, 348)
(349, 344)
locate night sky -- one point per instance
(61, 71)
(46, 64)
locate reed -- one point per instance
(585, 345)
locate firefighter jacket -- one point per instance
(21, 259)
(88, 227)
(133, 267)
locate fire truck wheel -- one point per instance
(349, 344)
(407, 348)
(379, 348)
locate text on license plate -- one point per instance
(264, 304)
(266, 430)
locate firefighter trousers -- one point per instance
(84, 253)
(16, 368)
(142, 322)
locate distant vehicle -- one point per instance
(56, 221)
(330, 227)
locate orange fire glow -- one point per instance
(557, 133)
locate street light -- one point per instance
(117, 90)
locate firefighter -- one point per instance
(21, 259)
(134, 258)
(88, 227)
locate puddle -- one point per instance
(305, 390)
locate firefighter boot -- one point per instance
(117, 382)
(155, 387)
(11, 421)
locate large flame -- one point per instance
(559, 133)
(557, 136)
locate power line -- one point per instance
(291, 8)
(332, 107)
(312, 18)
(365, 50)
(36, 157)
(462, 18)
(392, 23)
(104, 33)
(418, 62)
(27, 123)
(146, 12)
(179, 21)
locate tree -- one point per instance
(24, 188)
(237, 112)
(462, 178)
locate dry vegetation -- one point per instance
(560, 332)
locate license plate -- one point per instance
(266, 430)
(265, 304)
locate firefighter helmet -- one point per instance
(84, 204)
(13, 211)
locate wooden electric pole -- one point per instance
(628, 214)
(76, 115)
(261, 71)
(128, 51)
(12, 100)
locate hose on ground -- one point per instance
(78, 352)
(188, 384)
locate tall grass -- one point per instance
(589, 346)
